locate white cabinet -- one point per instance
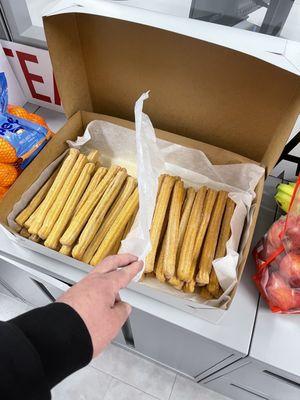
(5, 290)
(250, 380)
(33, 287)
(28, 285)
(176, 347)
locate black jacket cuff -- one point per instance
(21, 371)
(60, 337)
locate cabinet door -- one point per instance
(28, 285)
(4, 289)
(173, 346)
(253, 381)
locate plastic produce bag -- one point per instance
(22, 136)
(277, 258)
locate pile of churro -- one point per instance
(189, 230)
(84, 210)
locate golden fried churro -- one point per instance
(209, 202)
(98, 176)
(35, 238)
(62, 197)
(31, 218)
(187, 207)
(80, 219)
(118, 226)
(35, 201)
(225, 232)
(210, 243)
(98, 214)
(52, 240)
(172, 234)
(116, 208)
(93, 156)
(66, 250)
(129, 225)
(176, 283)
(158, 219)
(159, 264)
(186, 254)
(205, 293)
(54, 191)
(24, 232)
(189, 287)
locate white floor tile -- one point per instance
(121, 391)
(86, 384)
(10, 308)
(136, 371)
(185, 389)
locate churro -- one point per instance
(66, 250)
(81, 218)
(186, 253)
(96, 179)
(209, 202)
(98, 214)
(187, 207)
(31, 218)
(225, 232)
(205, 293)
(62, 197)
(52, 240)
(158, 219)
(54, 191)
(35, 201)
(129, 186)
(118, 226)
(93, 156)
(24, 232)
(172, 234)
(210, 243)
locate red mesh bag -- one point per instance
(277, 259)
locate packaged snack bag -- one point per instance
(277, 258)
(22, 136)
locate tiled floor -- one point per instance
(118, 374)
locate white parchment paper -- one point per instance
(156, 156)
(147, 157)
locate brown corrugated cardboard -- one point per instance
(232, 106)
(199, 90)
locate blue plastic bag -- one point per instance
(25, 137)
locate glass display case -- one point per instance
(21, 20)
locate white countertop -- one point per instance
(233, 331)
(276, 340)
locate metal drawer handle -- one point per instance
(282, 378)
(127, 333)
(250, 391)
(12, 291)
(44, 290)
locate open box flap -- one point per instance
(199, 90)
(268, 48)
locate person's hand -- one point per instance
(96, 298)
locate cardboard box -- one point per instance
(230, 105)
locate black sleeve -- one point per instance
(40, 348)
